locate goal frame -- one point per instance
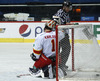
(72, 44)
(72, 35)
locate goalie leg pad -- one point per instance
(49, 71)
(45, 70)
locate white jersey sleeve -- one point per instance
(37, 46)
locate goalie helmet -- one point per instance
(51, 24)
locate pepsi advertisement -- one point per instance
(29, 31)
(21, 31)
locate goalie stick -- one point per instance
(39, 74)
(28, 74)
(19, 76)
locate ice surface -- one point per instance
(15, 60)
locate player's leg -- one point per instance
(47, 71)
(65, 45)
(41, 63)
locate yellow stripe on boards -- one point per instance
(16, 40)
(84, 41)
(22, 40)
(29, 40)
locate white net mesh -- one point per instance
(86, 54)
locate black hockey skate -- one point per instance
(64, 69)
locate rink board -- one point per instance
(14, 31)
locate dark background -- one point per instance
(45, 1)
(40, 12)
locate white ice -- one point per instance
(15, 60)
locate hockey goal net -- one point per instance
(83, 62)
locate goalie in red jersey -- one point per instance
(44, 52)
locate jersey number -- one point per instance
(53, 45)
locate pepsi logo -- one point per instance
(25, 30)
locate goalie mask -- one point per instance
(51, 24)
